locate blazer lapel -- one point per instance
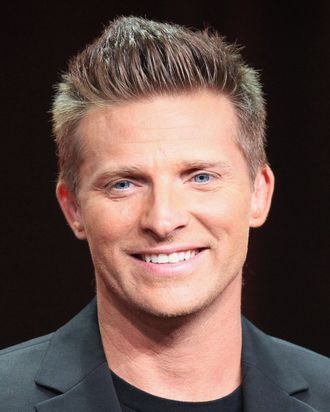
(76, 372)
(261, 394)
(270, 382)
(75, 368)
(95, 393)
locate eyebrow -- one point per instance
(202, 164)
(189, 165)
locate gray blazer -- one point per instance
(66, 371)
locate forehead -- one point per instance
(175, 126)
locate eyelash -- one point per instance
(203, 174)
(120, 182)
(112, 186)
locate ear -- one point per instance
(261, 196)
(70, 209)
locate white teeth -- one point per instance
(162, 258)
(171, 258)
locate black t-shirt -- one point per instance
(133, 399)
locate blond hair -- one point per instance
(136, 58)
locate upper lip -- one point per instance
(167, 250)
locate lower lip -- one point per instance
(168, 269)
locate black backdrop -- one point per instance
(46, 275)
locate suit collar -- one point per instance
(261, 393)
(74, 351)
(94, 393)
(75, 368)
(260, 352)
(270, 381)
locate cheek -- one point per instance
(109, 221)
(228, 213)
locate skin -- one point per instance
(160, 175)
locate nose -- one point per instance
(164, 212)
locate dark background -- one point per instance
(46, 275)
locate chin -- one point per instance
(174, 307)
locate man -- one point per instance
(160, 134)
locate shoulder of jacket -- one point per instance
(311, 365)
(19, 365)
(299, 351)
(38, 343)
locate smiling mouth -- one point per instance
(163, 258)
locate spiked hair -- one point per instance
(136, 58)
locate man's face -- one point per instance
(165, 201)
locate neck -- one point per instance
(192, 358)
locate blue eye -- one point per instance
(122, 185)
(202, 178)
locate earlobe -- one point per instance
(262, 196)
(70, 209)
